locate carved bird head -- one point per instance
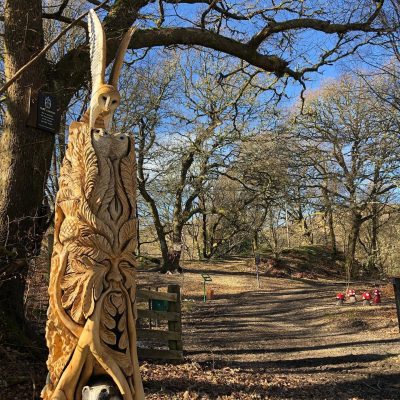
(108, 97)
(120, 146)
(101, 141)
(105, 101)
(105, 97)
(113, 146)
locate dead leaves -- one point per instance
(194, 382)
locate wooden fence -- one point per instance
(159, 327)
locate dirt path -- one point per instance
(286, 341)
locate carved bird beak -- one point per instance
(107, 108)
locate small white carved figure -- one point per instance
(105, 97)
(101, 391)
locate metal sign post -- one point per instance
(206, 278)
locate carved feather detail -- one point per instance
(119, 59)
(97, 40)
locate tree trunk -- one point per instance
(350, 263)
(329, 221)
(25, 152)
(332, 236)
(306, 231)
(204, 235)
(204, 231)
(373, 262)
(172, 262)
(254, 243)
(304, 226)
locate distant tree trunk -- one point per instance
(355, 225)
(204, 235)
(162, 240)
(373, 251)
(146, 194)
(255, 242)
(172, 264)
(172, 261)
(25, 153)
(329, 221)
(204, 231)
(304, 226)
(331, 228)
(374, 237)
(306, 231)
(138, 230)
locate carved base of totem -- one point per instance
(92, 317)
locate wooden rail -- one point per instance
(158, 340)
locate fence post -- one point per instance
(396, 287)
(175, 326)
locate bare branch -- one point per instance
(194, 36)
(44, 50)
(100, 4)
(318, 25)
(206, 12)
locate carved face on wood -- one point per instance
(93, 270)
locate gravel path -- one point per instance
(294, 330)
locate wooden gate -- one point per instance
(159, 326)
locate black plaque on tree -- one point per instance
(43, 112)
(48, 118)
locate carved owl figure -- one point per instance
(105, 97)
(113, 146)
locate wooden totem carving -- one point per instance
(91, 318)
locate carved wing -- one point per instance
(119, 58)
(97, 39)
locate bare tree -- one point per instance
(179, 154)
(348, 136)
(262, 34)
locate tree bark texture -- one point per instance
(25, 153)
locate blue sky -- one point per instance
(309, 44)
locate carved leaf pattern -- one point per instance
(128, 176)
(103, 189)
(126, 241)
(106, 187)
(60, 341)
(115, 335)
(93, 245)
(81, 284)
(91, 169)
